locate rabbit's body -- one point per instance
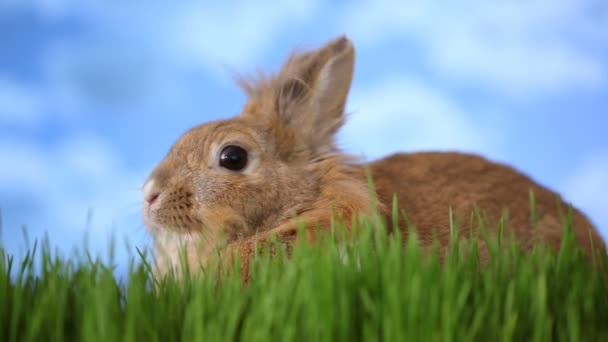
(233, 183)
(430, 184)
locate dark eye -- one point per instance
(233, 158)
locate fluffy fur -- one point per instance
(287, 127)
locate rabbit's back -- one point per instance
(428, 184)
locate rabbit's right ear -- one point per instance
(308, 96)
(312, 90)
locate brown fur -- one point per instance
(288, 127)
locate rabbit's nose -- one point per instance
(150, 192)
(152, 197)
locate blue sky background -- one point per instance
(92, 95)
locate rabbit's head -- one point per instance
(225, 180)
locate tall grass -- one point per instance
(373, 287)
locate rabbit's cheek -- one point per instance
(223, 220)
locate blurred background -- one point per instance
(92, 95)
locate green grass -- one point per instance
(382, 290)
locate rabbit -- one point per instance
(229, 184)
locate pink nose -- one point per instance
(150, 198)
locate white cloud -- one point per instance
(191, 34)
(519, 47)
(63, 181)
(121, 65)
(405, 115)
(19, 104)
(587, 188)
(233, 35)
(50, 9)
(23, 166)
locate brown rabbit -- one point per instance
(230, 183)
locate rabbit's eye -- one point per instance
(233, 158)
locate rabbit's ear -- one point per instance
(313, 88)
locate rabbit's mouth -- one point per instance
(165, 219)
(150, 220)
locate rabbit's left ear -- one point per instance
(312, 90)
